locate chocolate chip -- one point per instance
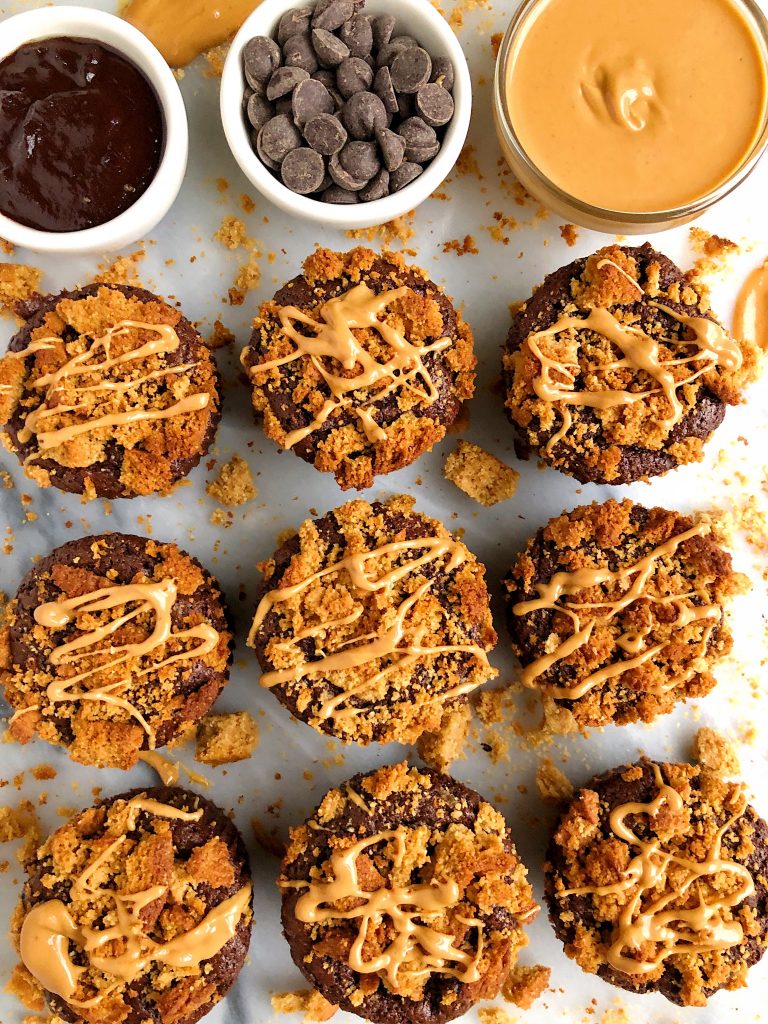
(261, 56)
(296, 20)
(382, 28)
(278, 137)
(327, 182)
(382, 86)
(258, 111)
(360, 159)
(404, 175)
(339, 196)
(299, 53)
(357, 33)
(329, 48)
(334, 15)
(342, 176)
(363, 115)
(392, 148)
(421, 142)
(325, 134)
(310, 98)
(411, 69)
(377, 187)
(285, 106)
(443, 73)
(303, 170)
(434, 105)
(353, 75)
(273, 165)
(285, 80)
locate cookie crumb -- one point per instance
(215, 58)
(310, 1003)
(123, 270)
(234, 484)
(232, 233)
(222, 739)
(17, 284)
(553, 785)
(480, 475)
(441, 748)
(714, 751)
(494, 1015)
(525, 984)
(25, 988)
(462, 247)
(219, 337)
(570, 234)
(398, 230)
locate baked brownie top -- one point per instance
(616, 369)
(404, 898)
(113, 644)
(138, 909)
(616, 611)
(359, 364)
(372, 621)
(108, 391)
(657, 879)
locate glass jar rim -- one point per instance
(687, 211)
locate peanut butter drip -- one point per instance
(708, 348)
(750, 320)
(418, 946)
(87, 365)
(399, 643)
(333, 340)
(634, 583)
(182, 29)
(94, 642)
(50, 927)
(658, 921)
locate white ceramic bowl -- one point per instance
(417, 18)
(152, 206)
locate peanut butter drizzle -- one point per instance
(662, 921)
(167, 770)
(49, 927)
(564, 585)
(182, 29)
(371, 646)
(750, 319)
(404, 906)
(640, 352)
(334, 339)
(157, 598)
(167, 340)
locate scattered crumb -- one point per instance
(525, 984)
(7, 247)
(310, 1003)
(462, 247)
(43, 772)
(220, 518)
(219, 337)
(215, 58)
(232, 233)
(494, 1015)
(247, 204)
(123, 270)
(222, 739)
(18, 822)
(714, 751)
(462, 7)
(553, 785)
(17, 283)
(570, 234)
(398, 230)
(234, 484)
(488, 704)
(25, 988)
(715, 255)
(615, 1015)
(481, 476)
(504, 223)
(441, 748)
(467, 162)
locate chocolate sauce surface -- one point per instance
(81, 134)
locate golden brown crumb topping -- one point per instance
(17, 283)
(234, 483)
(479, 474)
(223, 739)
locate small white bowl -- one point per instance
(417, 18)
(150, 208)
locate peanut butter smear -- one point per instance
(183, 29)
(637, 107)
(750, 319)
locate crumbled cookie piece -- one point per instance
(220, 336)
(494, 1015)
(714, 751)
(225, 738)
(553, 785)
(25, 988)
(479, 474)
(526, 984)
(441, 748)
(309, 1002)
(234, 484)
(18, 283)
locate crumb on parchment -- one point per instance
(234, 484)
(225, 738)
(122, 270)
(569, 234)
(310, 1003)
(18, 283)
(461, 246)
(553, 785)
(715, 751)
(494, 1015)
(525, 984)
(441, 748)
(398, 230)
(479, 474)
(220, 336)
(25, 988)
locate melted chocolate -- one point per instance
(81, 134)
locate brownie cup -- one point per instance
(617, 612)
(113, 645)
(404, 899)
(616, 369)
(138, 909)
(359, 364)
(657, 881)
(108, 392)
(373, 622)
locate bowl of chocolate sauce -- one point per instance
(93, 132)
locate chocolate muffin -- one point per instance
(657, 881)
(359, 364)
(616, 369)
(404, 899)
(617, 612)
(373, 622)
(107, 391)
(138, 909)
(113, 645)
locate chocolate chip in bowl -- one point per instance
(382, 97)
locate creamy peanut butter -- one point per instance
(182, 29)
(750, 319)
(636, 107)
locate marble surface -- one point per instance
(293, 766)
